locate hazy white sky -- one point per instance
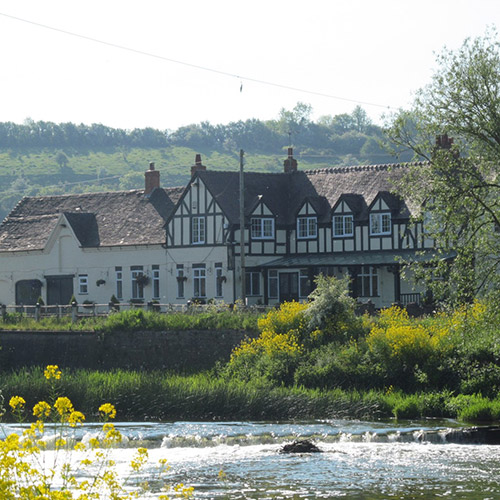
(375, 53)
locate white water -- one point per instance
(365, 460)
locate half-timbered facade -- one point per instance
(297, 224)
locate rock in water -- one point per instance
(301, 446)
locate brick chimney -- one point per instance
(197, 167)
(445, 143)
(151, 179)
(290, 164)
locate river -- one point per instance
(361, 460)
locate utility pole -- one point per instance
(242, 230)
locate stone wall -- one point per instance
(184, 351)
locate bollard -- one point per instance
(37, 311)
(74, 311)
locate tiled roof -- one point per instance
(284, 193)
(118, 218)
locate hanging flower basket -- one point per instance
(142, 279)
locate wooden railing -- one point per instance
(409, 298)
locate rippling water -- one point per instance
(364, 460)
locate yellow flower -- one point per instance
(107, 410)
(75, 418)
(63, 406)
(41, 410)
(17, 403)
(52, 371)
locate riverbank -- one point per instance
(157, 396)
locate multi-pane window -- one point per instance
(262, 228)
(137, 283)
(380, 223)
(252, 283)
(119, 282)
(218, 279)
(272, 283)
(342, 225)
(307, 227)
(181, 278)
(156, 281)
(199, 280)
(83, 284)
(367, 282)
(198, 230)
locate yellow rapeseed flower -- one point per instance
(107, 410)
(63, 406)
(17, 403)
(75, 418)
(52, 371)
(42, 410)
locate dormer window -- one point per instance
(307, 227)
(342, 226)
(262, 228)
(380, 224)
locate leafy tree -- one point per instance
(460, 185)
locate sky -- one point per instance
(169, 63)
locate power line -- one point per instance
(196, 66)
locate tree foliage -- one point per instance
(459, 188)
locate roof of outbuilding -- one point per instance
(119, 218)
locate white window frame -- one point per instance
(250, 289)
(346, 221)
(198, 230)
(272, 283)
(137, 288)
(119, 282)
(199, 281)
(181, 278)
(83, 284)
(380, 224)
(155, 272)
(307, 227)
(262, 228)
(219, 289)
(368, 282)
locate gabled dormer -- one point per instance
(345, 214)
(382, 212)
(262, 221)
(306, 225)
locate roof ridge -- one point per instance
(363, 168)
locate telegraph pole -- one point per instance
(242, 230)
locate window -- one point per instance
(83, 284)
(219, 279)
(180, 281)
(342, 226)
(199, 280)
(156, 282)
(198, 230)
(262, 228)
(304, 283)
(272, 284)
(119, 282)
(380, 223)
(307, 227)
(367, 282)
(137, 284)
(252, 283)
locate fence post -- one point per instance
(150, 306)
(37, 311)
(4, 312)
(74, 310)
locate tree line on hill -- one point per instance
(345, 134)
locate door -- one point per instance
(289, 287)
(59, 290)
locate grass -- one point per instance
(161, 396)
(137, 319)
